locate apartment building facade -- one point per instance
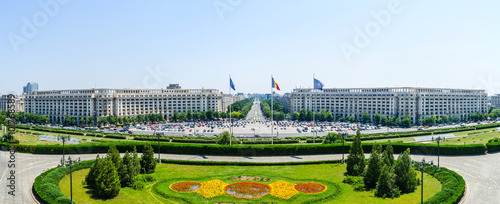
(57, 104)
(391, 102)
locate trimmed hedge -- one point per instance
(224, 163)
(389, 135)
(314, 141)
(46, 186)
(254, 150)
(453, 186)
(276, 141)
(493, 146)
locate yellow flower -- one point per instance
(283, 189)
(211, 188)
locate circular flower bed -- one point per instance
(247, 190)
(310, 188)
(185, 186)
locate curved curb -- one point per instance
(33, 195)
(465, 196)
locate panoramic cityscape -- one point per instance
(250, 102)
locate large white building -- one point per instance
(391, 102)
(495, 101)
(58, 104)
(18, 103)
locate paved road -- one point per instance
(480, 172)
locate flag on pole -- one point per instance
(231, 84)
(318, 85)
(275, 85)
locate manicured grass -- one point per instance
(32, 139)
(471, 139)
(88, 138)
(330, 175)
(468, 138)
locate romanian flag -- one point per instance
(275, 85)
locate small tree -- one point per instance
(127, 173)
(406, 176)
(114, 155)
(223, 138)
(376, 118)
(366, 117)
(148, 162)
(108, 182)
(94, 172)
(356, 157)
(332, 138)
(388, 155)
(137, 164)
(372, 172)
(386, 187)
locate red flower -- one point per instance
(310, 188)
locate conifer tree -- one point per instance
(93, 173)
(386, 187)
(114, 155)
(372, 172)
(127, 173)
(148, 162)
(108, 182)
(406, 177)
(356, 157)
(388, 156)
(137, 164)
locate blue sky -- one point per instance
(103, 44)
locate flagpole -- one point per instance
(314, 121)
(272, 116)
(230, 112)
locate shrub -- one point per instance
(46, 185)
(453, 186)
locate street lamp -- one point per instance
(63, 139)
(422, 165)
(71, 164)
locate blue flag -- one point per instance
(231, 84)
(318, 85)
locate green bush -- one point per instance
(493, 145)
(453, 186)
(46, 185)
(253, 150)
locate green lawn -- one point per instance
(469, 138)
(330, 175)
(32, 139)
(28, 138)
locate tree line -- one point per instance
(278, 109)
(405, 121)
